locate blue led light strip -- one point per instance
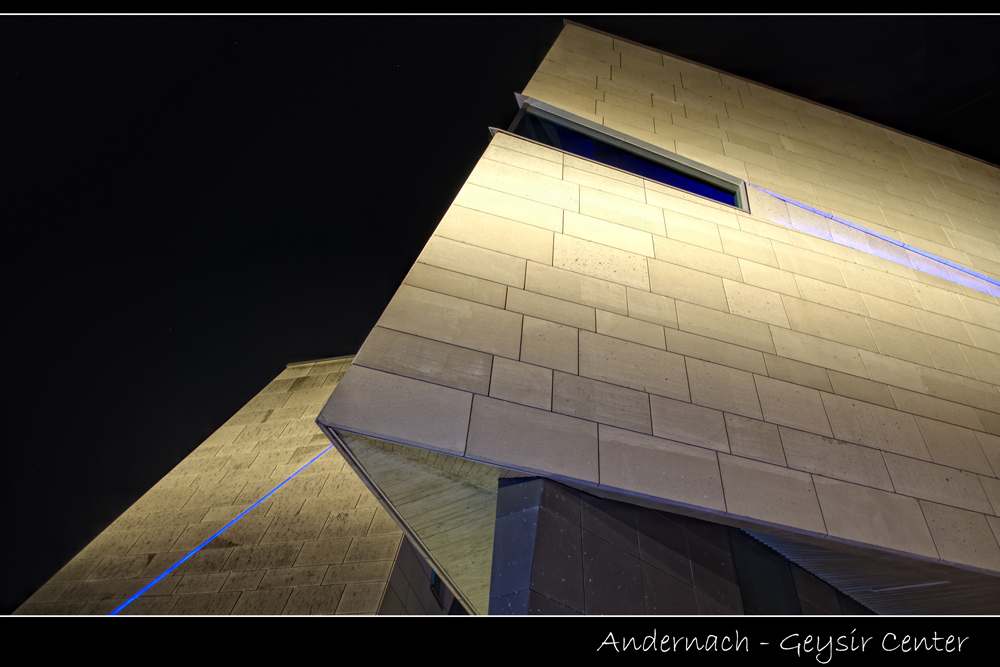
(887, 239)
(221, 530)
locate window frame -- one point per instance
(646, 151)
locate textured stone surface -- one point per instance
(660, 468)
(425, 359)
(392, 407)
(773, 494)
(508, 434)
(265, 563)
(521, 383)
(879, 367)
(871, 516)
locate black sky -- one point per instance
(191, 203)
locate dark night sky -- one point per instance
(191, 203)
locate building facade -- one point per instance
(814, 362)
(790, 355)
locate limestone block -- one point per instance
(866, 516)
(608, 233)
(521, 383)
(631, 365)
(689, 423)
(962, 536)
(835, 458)
(792, 405)
(659, 468)
(550, 308)
(601, 402)
(399, 409)
(627, 328)
(550, 345)
(600, 261)
(493, 232)
(875, 426)
(771, 494)
(425, 359)
(683, 284)
(753, 439)
(456, 321)
(529, 439)
(724, 388)
(938, 483)
(576, 288)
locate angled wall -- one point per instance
(560, 551)
(822, 370)
(320, 545)
(777, 369)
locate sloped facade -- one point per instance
(319, 544)
(817, 370)
(820, 368)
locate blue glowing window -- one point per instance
(587, 140)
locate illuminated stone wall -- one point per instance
(320, 545)
(776, 369)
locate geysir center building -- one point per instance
(682, 344)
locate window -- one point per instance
(436, 588)
(554, 127)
